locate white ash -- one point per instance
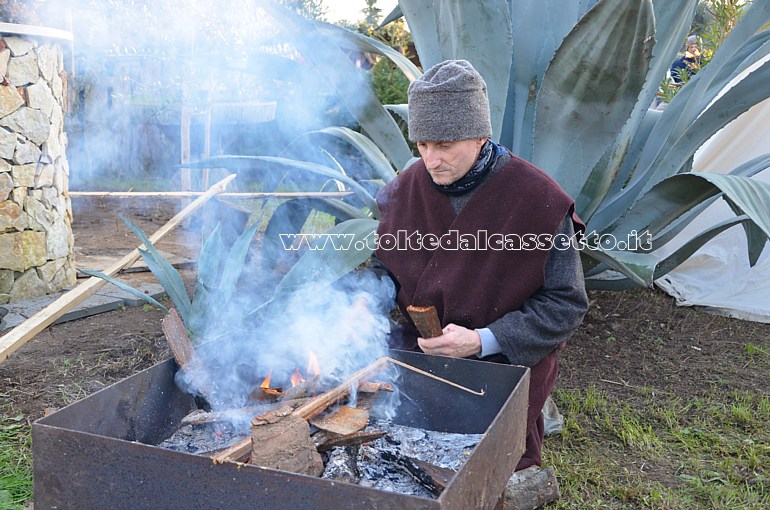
(204, 438)
(364, 465)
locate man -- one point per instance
(688, 64)
(499, 295)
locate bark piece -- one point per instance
(184, 352)
(281, 440)
(344, 420)
(531, 488)
(426, 320)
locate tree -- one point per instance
(371, 13)
(310, 9)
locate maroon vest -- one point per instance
(469, 287)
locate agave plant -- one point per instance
(215, 300)
(570, 86)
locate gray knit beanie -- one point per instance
(449, 102)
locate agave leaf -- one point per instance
(365, 147)
(233, 267)
(671, 205)
(210, 258)
(467, 30)
(424, 27)
(671, 230)
(756, 239)
(264, 163)
(289, 218)
(586, 98)
(690, 101)
(402, 110)
(638, 267)
(538, 29)
(352, 86)
(168, 277)
(738, 99)
(393, 16)
(585, 5)
(690, 247)
(757, 15)
(123, 286)
(329, 261)
(672, 24)
(755, 49)
(367, 44)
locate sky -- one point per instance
(351, 9)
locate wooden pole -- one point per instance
(25, 331)
(190, 194)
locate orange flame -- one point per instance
(313, 369)
(266, 382)
(296, 378)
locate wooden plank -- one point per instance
(190, 194)
(25, 331)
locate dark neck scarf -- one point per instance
(488, 155)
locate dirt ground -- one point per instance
(628, 339)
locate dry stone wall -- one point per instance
(36, 243)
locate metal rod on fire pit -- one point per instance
(25, 331)
(480, 393)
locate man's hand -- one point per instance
(456, 341)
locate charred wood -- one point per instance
(325, 441)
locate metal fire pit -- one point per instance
(98, 453)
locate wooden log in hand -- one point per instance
(426, 320)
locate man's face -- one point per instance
(447, 162)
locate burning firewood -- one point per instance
(426, 320)
(344, 420)
(281, 440)
(318, 404)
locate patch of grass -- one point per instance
(708, 452)
(15, 461)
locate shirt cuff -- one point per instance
(489, 344)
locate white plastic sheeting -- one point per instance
(718, 276)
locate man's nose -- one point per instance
(432, 158)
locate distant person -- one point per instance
(688, 64)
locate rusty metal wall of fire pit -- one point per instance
(98, 453)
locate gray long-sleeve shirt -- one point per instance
(546, 319)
